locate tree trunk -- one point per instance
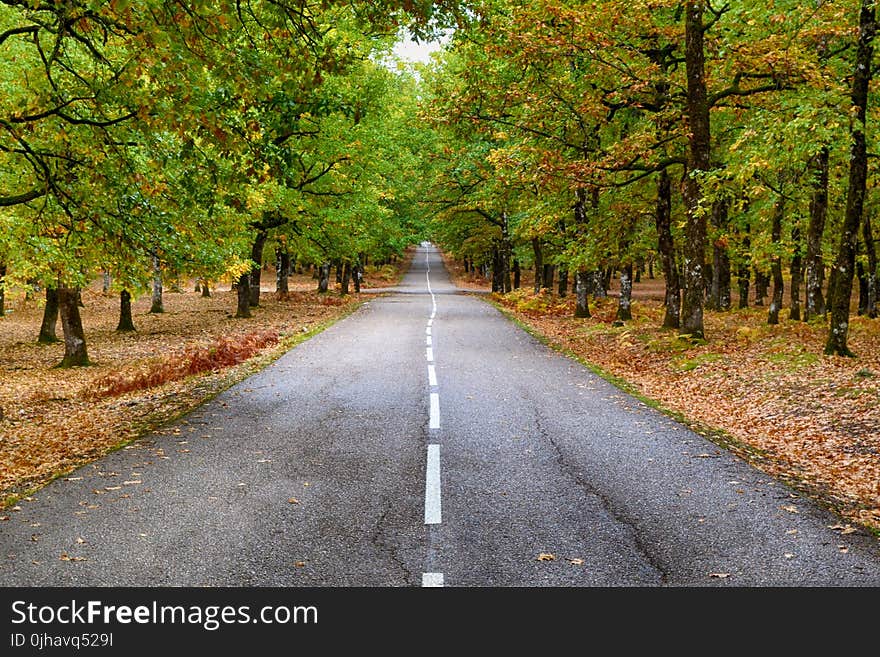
(324, 278)
(871, 273)
(105, 282)
(338, 266)
(506, 250)
(796, 274)
(126, 322)
(497, 283)
(539, 263)
(762, 282)
(720, 286)
(776, 263)
(666, 248)
(624, 301)
(698, 162)
(517, 274)
(549, 271)
(257, 266)
(582, 294)
(2, 289)
(156, 305)
(651, 267)
(855, 197)
(243, 290)
(862, 277)
(206, 288)
(50, 317)
(75, 354)
(562, 287)
(282, 273)
(346, 278)
(815, 269)
(597, 284)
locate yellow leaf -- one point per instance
(546, 556)
(293, 500)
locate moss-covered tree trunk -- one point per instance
(776, 262)
(698, 161)
(815, 268)
(49, 324)
(844, 263)
(75, 353)
(796, 275)
(666, 248)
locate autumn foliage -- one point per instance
(224, 352)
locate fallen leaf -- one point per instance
(843, 549)
(576, 562)
(719, 575)
(132, 481)
(788, 555)
(65, 557)
(792, 532)
(843, 529)
(80, 540)
(791, 508)
(73, 479)
(15, 508)
(546, 556)
(293, 500)
(300, 564)
(4, 518)
(112, 487)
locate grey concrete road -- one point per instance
(426, 440)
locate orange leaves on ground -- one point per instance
(224, 352)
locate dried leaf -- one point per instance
(719, 575)
(112, 487)
(788, 555)
(843, 549)
(80, 540)
(791, 508)
(576, 562)
(546, 556)
(293, 500)
(299, 564)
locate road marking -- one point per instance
(430, 321)
(428, 340)
(428, 330)
(431, 580)
(432, 486)
(432, 376)
(434, 422)
(429, 352)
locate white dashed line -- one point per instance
(434, 422)
(428, 330)
(428, 340)
(432, 580)
(432, 486)
(432, 376)
(430, 321)
(429, 353)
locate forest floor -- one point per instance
(765, 392)
(53, 420)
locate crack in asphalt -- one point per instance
(632, 529)
(390, 551)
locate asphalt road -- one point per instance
(348, 462)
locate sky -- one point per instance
(413, 52)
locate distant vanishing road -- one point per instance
(426, 440)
